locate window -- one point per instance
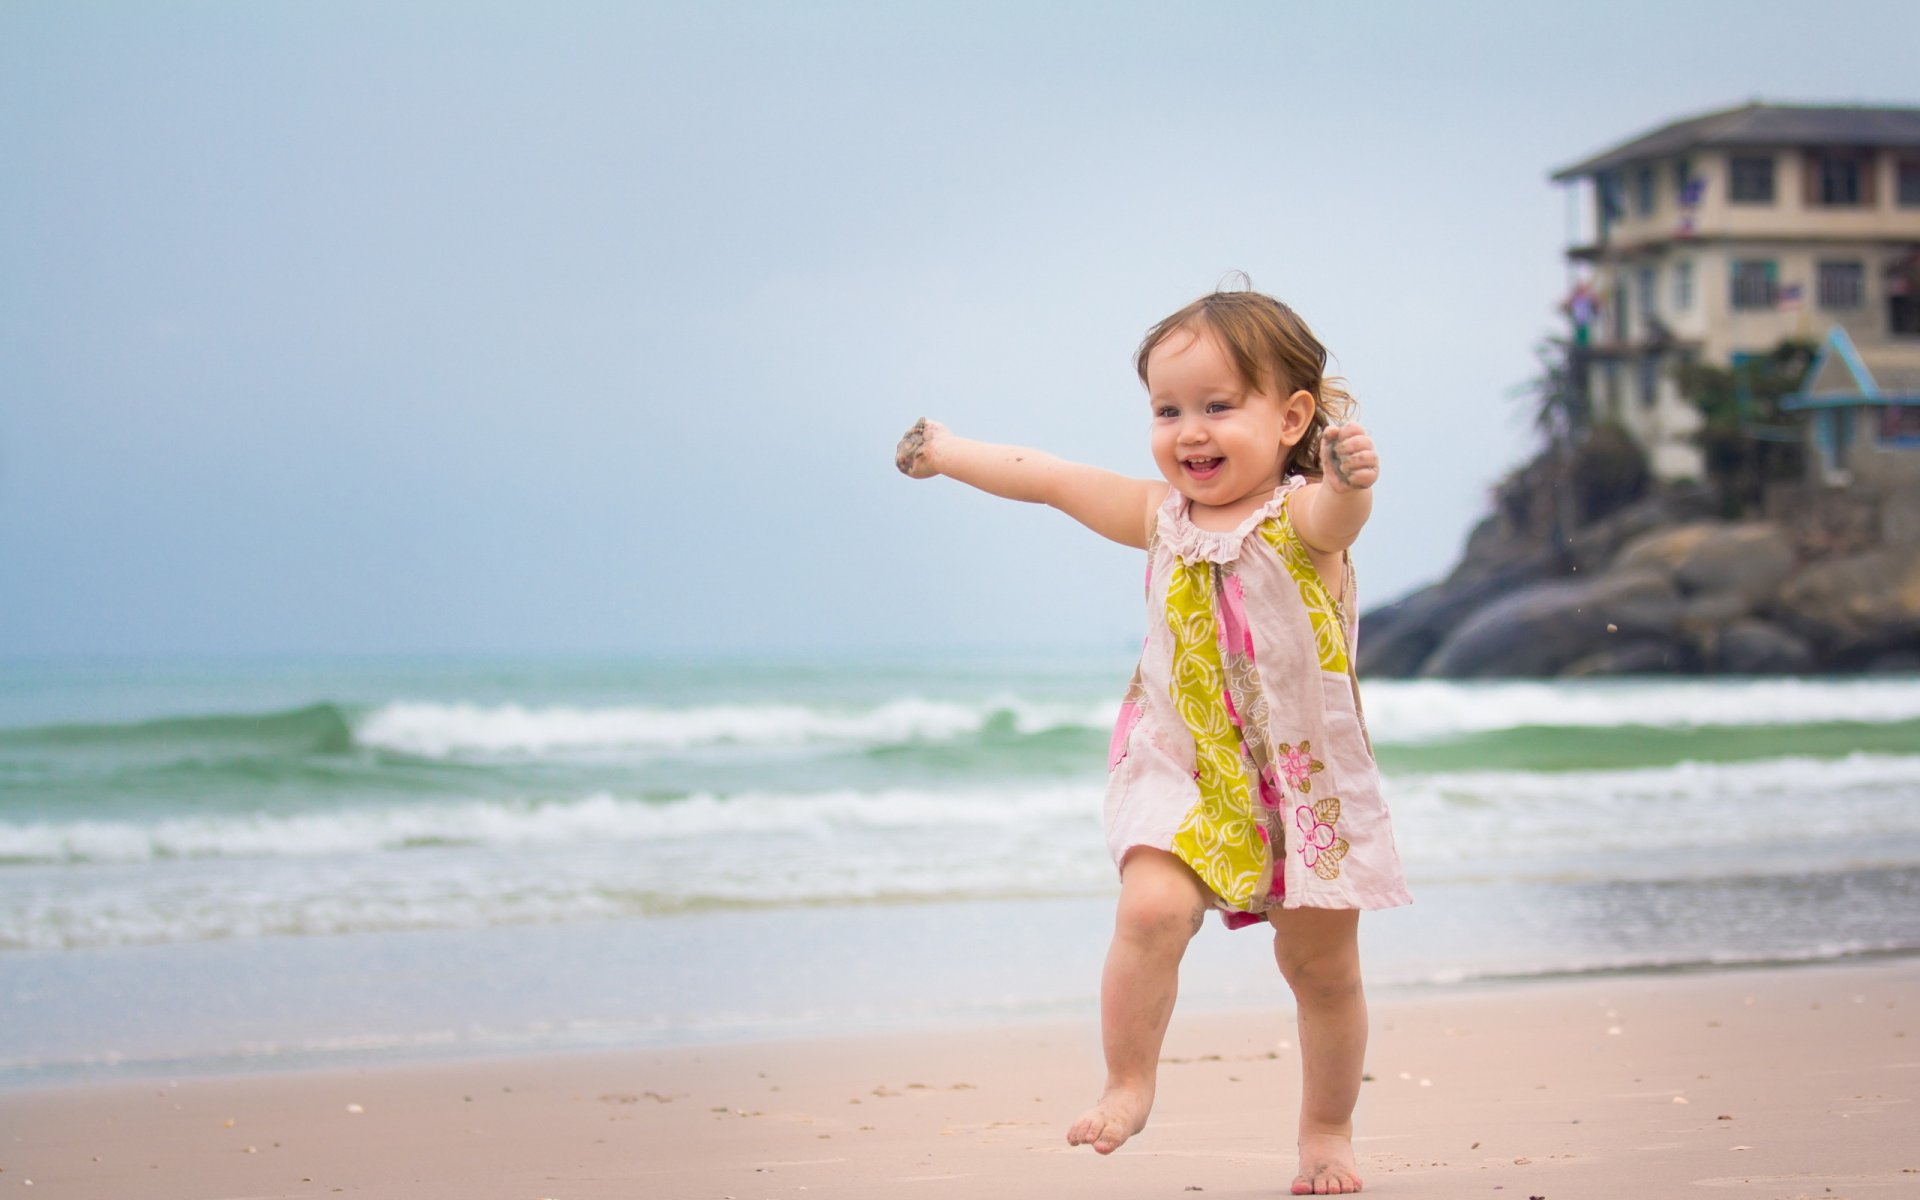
(1752, 179)
(1620, 307)
(1843, 285)
(1683, 285)
(1649, 380)
(1755, 282)
(1903, 314)
(1682, 173)
(1907, 178)
(1839, 179)
(1900, 424)
(1613, 199)
(1648, 309)
(1643, 191)
(1900, 282)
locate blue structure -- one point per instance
(1861, 411)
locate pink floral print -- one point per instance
(1316, 835)
(1299, 765)
(1321, 846)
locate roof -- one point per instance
(1761, 125)
(1845, 374)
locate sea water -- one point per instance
(219, 864)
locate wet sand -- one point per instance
(1783, 1082)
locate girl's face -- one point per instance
(1217, 441)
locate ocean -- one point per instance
(264, 864)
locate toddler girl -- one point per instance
(1241, 777)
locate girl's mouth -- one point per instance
(1203, 468)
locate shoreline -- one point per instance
(440, 1050)
(1763, 1081)
(271, 1005)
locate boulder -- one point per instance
(1714, 610)
(1642, 656)
(1857, 609)
(1397, 639)
(1545, 627)
(1904, 660)
(1749, 646)
(1594, 546)
(1493, 548)
(1748, 559)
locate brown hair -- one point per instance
(1270, 347)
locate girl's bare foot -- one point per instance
(1121, 1113)
(1326, 1166)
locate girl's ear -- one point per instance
(1296, 416)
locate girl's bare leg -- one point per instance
(1162, 903)
(1319, 953)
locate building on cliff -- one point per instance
(1718, 236)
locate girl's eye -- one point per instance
(1219, 406)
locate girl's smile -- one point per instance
(1218, 441)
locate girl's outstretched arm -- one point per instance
(1111, 505)
(1332, 511)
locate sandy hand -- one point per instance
(1351, 462)
(914, 454)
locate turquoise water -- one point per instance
(281, 826)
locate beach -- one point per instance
(709, 928)
(1777, 1082)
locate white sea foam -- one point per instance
(1419, 710)
(1541, 821)
(599, 818)
(443, 730)
(478, 863)
(1398, 711)
(597, 858)
(1440, 816)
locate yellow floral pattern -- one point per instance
(1329, 635)
(1222, 839)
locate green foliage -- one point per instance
(1583, 471)
(1746, 438)
(1610, 470)
(1560, 410)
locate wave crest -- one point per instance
(591, 820)
(432, 730)
(1413, 710)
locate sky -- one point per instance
(376, 328)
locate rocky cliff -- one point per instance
(1658, 586)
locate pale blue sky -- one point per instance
(590, 327)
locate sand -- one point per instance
(1782, 1082)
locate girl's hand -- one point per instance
(1348, 455)
(917, 450)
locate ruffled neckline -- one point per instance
(1194, 544)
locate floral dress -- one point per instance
(1241, 747)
